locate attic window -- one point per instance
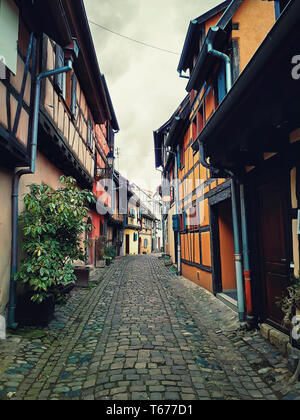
(235, 26)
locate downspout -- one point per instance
(11, 322)
(238, 254)
(177, 211)
(247, 271)
(236, 228)
(162, 215)
(176, 154)
(221, 56)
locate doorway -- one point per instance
(272, 213)
(226, 238)
(127, 245)
(222, 237)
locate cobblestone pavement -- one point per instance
(143, 333)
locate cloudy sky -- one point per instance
(143, 82)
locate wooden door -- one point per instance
(127, 251)
(273, 225)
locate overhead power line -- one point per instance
(134, 40)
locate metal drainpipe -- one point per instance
(221, 56)
(237, 247)
(238, 254)
(177, 206)
(11, 322)
(162, 217)
(236, 228)
(177, 211)
(247, 271)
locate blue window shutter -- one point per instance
(222, 83)
(277, 9)
(185, 220)
(178, 159)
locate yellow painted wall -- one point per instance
(133, 246)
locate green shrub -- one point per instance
(53, 225)
(110, 252)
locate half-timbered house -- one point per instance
(56, 114)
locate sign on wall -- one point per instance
(9, 33)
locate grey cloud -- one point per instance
(144, 84)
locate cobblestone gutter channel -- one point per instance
(143, 333)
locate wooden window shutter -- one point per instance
(73, 94)
(60, 61)
(90, 134)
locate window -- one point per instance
(90, 138)
(60, 79)
(132, 213)
(192, 218)
(145, 243)
(182, 157)
(200, 119)
(194, 128)
(9, 34)
(73, 105)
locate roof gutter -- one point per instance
(207, 50)
(269, 47)
(29, 171)
(227, 61)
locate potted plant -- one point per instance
(290, 306)
(53, 225)
(109, 254)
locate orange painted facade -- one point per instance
(254, 18)
(251, 23)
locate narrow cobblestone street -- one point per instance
(142, 333)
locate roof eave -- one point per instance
(268, 47)
(192, 32)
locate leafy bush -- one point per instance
(54, 224)
(110, 252)
(290, 302)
